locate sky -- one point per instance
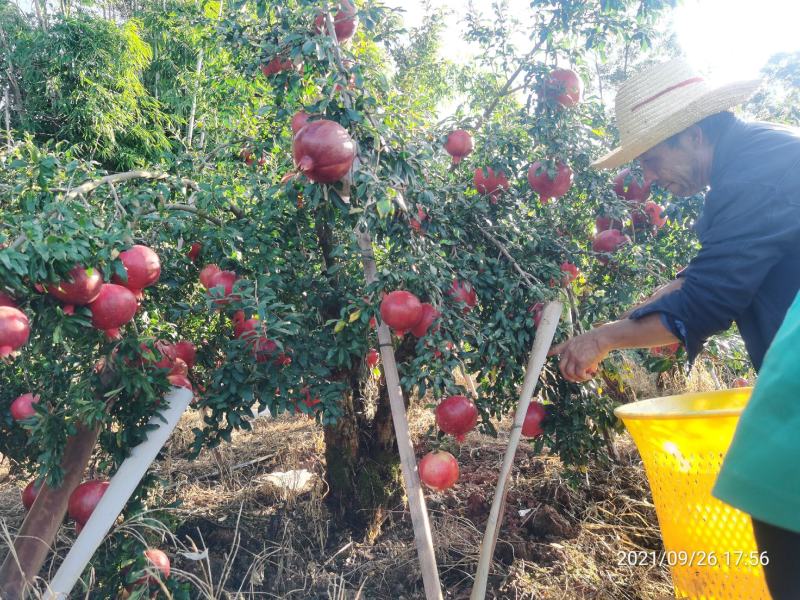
(724, 39)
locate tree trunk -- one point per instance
(190, 133)
(39, 529)
(363, 465)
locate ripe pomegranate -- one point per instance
(609, 241)
(194, 251)
(180, 380)
(185, 351)
(264, 348)
(299, 120)
(113, 308)
(156, 561)
(669, 350)
(14, 329)
(372, 358)
(463, 292)
(438, 470)
(401, 311)
(429, 315)
(224, 280)
(417, 223)
(571, 272)
(547, 188)
(142, 266)
(246, 328)
(345, 21)
(536, 310)
(323, 151)
(565, 87)
(456, 415)
(532, 425)
(490, 184)
(655, 214)
(740, 382)
(84, 499)
(6, 300)
(29, 494)
(22, 407)
(276, 65)
(179, 367)
(604, 223)
(81, 289)
(458, 145)
(629, 187)
(207, 274)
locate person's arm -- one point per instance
(581, 355)
(662, 291)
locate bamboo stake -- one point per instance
(408, 462)
(541, 344)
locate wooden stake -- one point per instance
(408, 462)
(541, 344)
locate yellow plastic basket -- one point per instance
(709, 546)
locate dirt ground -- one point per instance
(243, 537)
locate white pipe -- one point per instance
(122, 485)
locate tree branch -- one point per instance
(185, 208)
(529, 279)
(89, 186)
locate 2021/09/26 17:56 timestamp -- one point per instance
(697, 558)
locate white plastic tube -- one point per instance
(122, 485)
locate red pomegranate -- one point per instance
(345, 21)
(180, 380)
(84, 499)
(463, 292)
(571, 272)
(29, 494)
(113, 308)
(565, 87)
(142, 266)
(185, 351)
(373, 358)
(277, 65)
(548, 188)
(458, 145)
(194, 251)
(207, 274)
(609, 241)
(669, 350)
(490, 183)
(655, 214)
(417, 223)
(246, 328)
(628, 187)
(299, 120)
(401, 311)
(532, 425)
(22, 407)
(6, 300)
(224, 280)
(323, 151)
(264, 348)
(740, 382)
(429, 315)
(457, 415)
(81, 288)
(438, 470)
(179, 367)
(604, 223)
(14, 329)
(158, 563)
(536, 310)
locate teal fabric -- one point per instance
(761, 472)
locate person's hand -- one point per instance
(581, 355)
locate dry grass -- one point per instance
(240, 538)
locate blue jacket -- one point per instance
(748, 269)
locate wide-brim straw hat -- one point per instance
(663, 100)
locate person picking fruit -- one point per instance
(687, 141)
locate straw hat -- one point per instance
(663, 100)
